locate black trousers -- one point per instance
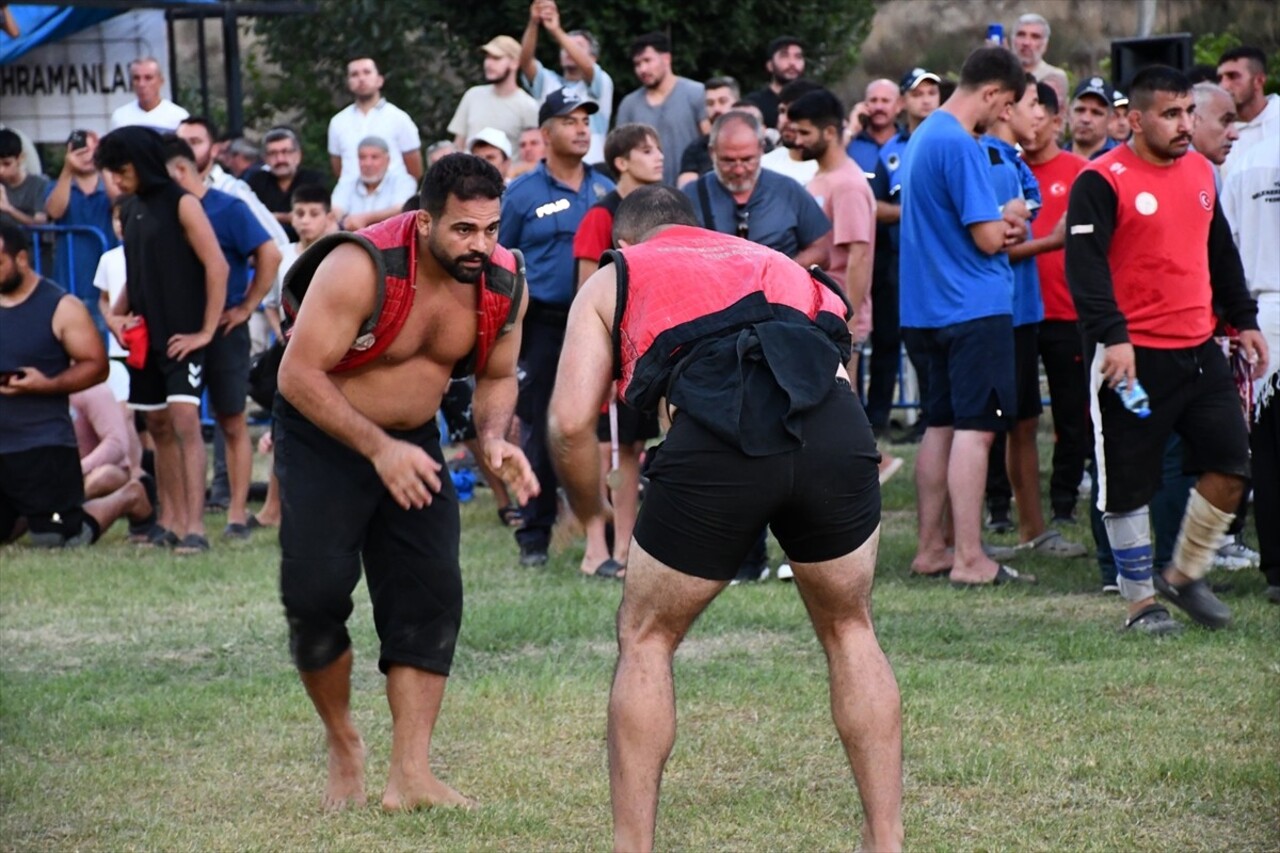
(1062, 353)
(1264, 441)
(540, 346)
(886, 343)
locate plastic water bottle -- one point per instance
(464, 482)
(1135, 399)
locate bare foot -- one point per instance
(346, 776)
(590, 563)
(422, 791)
(932, 565)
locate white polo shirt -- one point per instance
(386, 121)
(165, 116)
(353, 196)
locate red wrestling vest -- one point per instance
(687, 284)
(393, 246)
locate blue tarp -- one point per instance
(44, 24)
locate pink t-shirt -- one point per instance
(845, 197)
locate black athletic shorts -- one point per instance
(456, 408)
(1193, 394)
(707, 502)
(971, 374)
(633, 425)
(226, 370)
(336, 513)
(163, 381)
(44, 485)
(1026, 371)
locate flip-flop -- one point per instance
(192, 543)
(1004, 575)
(609, 569)
(510, 516)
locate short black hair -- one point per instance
(997, 65)
(779, 43)
(657, 41)
(1048, 98)
(1156, 78)
(312, 194)
(1254, 55)
(205, 122)
(625, 138)
(651, 207)
(463, 176)
(820, 107)
(176, 148)
(796, 88)
(1202, 73)
(15, 240)
(10, 143)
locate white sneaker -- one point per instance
(785, 573)
(1234, 555)
(1086, 485)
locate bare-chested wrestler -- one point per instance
(390, 313)
(749, 352)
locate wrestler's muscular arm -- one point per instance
(492, 408)
(340, 298)
(582, 381)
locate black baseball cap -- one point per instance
(561, 102)
(1097, 87)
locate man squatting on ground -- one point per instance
(406, 303)
(753, 371)
(1149, 252)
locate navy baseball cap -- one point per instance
(1097, 87)
(914, 78)
(561, 102)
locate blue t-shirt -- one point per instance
(1012, 178)
(239, 235)
(76, 258)
(880, 163)
(540, 215)
(779, 213)
(946, 187)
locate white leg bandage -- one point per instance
(1203, 526)
(1130, 536)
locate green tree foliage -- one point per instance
(427, 49)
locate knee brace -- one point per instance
(314, 644)
(1200, 536)
(1130, 536)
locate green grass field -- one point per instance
(147, 702)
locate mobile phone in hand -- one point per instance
(78, 140)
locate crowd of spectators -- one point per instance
(938, 206)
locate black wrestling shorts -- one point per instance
(335, 513)
(707, 502)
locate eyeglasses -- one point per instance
(744, 221)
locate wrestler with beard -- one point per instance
(359, 462)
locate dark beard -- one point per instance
(10, 284)
(454, 267)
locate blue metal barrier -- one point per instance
(71, 232)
